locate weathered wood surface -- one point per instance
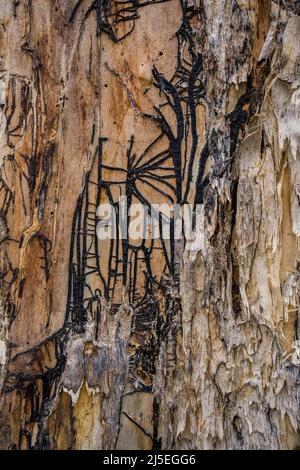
(112, 346)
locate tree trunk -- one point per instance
(142, 345)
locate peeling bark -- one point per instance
(119, 344)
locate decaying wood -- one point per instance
(146, 345)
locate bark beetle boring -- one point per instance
(118, 344)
